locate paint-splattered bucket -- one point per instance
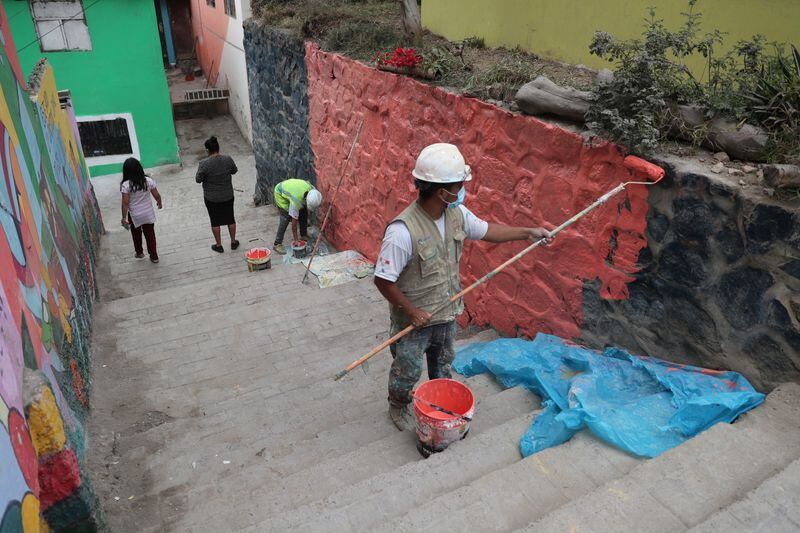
(437, 430)
(257, 259)
(299, 249)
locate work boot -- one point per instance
(279, 249)
(401, 417)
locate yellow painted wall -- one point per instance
(563, 29)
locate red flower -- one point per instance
(400, 58)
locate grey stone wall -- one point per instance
(720, 281)
(278, 81)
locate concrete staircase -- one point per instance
(713, 482)
(214, 409)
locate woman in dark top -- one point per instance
(214, 172)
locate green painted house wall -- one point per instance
(123, 73)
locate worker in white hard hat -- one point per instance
(294, 197)
(418, 270)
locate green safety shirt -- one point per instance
(292, 192)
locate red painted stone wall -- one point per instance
(526, 173)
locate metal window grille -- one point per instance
(205, 95)
(105, 137)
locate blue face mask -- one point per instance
(462, 195)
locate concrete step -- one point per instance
(312, 476)
(281, 445)
(686, 485)
(297, 427)
(385, 496)
(508, 498)
(774, 506)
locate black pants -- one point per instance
(286, 220)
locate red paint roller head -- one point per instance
(643, 169)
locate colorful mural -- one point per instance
(49, 230)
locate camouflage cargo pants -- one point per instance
(434, 342)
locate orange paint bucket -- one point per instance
(258, 259)
(436, 429)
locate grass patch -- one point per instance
(360, 29)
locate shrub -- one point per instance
(745, 84)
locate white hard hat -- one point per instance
(441, 163)
(313, 199)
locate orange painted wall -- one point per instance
(210, 29)
(526, 172)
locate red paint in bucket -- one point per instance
(437, 430)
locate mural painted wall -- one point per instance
(563, 29)
(220, 51)
(123, 74)
(49, 232)
(525, 173)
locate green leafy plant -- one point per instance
(775, 103)
(651, 76)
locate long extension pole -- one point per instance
(600, 201)
(333, 200)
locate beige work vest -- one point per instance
(432, 275)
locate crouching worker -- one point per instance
(294, 197)
(418, 270)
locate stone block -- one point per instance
(45, 423)
(59, 477)
(682, 264)
(775, 364)
(767, 225)
(740, 295)
(75, 513)
(693, 219)
(792, 268)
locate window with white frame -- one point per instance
(230, 7)
(108, 139)
(61, 25)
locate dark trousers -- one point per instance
(434, 344)
(149, 231)
(286, 220)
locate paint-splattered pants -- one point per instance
(433, 342)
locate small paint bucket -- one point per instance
(437, 430)
(258, 259)
(299, 249)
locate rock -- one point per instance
(748, 169)
(722, 156)
(657, 226)
(742, 183)
(693, 219)
(766, 226)
(730, 243)
(792, 268)
(682, 265)
(605, 75)
(782, 175)
(543, 97)
(718, 168)
(773, 363)
(735, 172)
(740, 296)
(747, 142)
(702, 159)
(769, 191)
(686, 119)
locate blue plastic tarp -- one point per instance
(642, 405)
